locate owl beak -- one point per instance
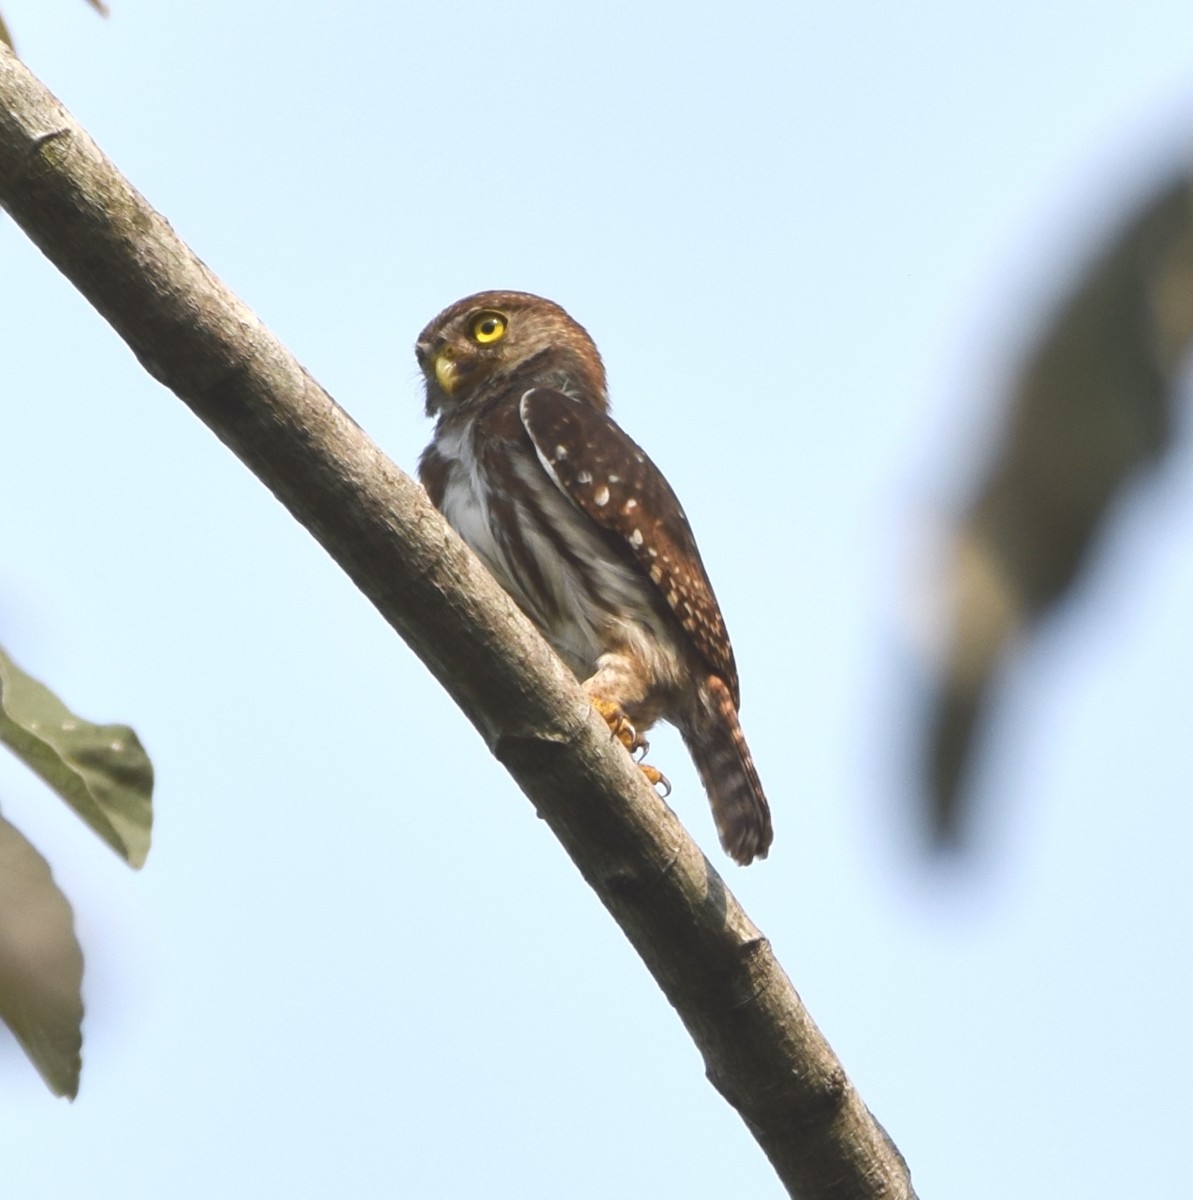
(447, 373)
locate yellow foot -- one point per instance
(619, 724)
(621, 728)
(656, 777)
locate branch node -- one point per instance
(42, 140)
(758, 962)
(626, 881)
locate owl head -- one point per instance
(495, 342)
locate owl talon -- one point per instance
(632, 740)
(656, 778)
(619, 724)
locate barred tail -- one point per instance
(718, 748)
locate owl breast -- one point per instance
(585, 594)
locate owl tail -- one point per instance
(718, 748)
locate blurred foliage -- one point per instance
(104, 774)
(6, 37)
(1091, 413)
(41, 965)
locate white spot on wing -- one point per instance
(561, 452)
(544, 461)
(602, 497)
(583, 476)
(569, 600)
(629, 505)
(636, 538)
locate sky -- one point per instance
(810, 242)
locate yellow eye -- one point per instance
(489, 327)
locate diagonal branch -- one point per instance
(761, 1049)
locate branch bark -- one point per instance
(761, 1049)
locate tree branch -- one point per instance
(761, 1048)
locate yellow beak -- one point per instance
(446, 372)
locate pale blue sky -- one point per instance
(806, 241)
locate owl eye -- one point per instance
(489, 327)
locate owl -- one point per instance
(587, 537)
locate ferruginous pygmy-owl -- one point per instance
(583, 531)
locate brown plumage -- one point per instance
(583, 531)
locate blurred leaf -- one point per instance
(1092, 412)
(101, 771)
(6, 37)
(41, 965)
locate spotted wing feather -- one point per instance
(611, 479)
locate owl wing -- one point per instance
(610, 479)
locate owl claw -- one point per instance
(621, 728)
(619, 724)
(656, 777)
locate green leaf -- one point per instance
(41, 965)
(101, 771)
